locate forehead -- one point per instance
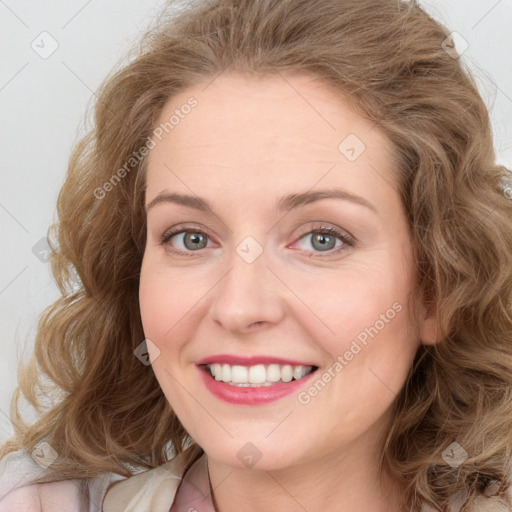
(267, 132)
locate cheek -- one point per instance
(159, 304)
(348, 300)
(150, 302)
(366, 311)
(171, 303)
(161, 310)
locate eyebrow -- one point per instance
(284, 204)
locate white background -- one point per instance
(43, 103)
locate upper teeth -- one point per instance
(257, 374)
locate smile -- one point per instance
(254, 393)
(257, 375)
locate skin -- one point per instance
(249, 142)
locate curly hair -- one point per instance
(107, 411)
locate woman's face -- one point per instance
(258, 274)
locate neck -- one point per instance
(337, 481)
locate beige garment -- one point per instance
(150, 491)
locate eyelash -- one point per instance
(346, 239)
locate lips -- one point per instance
(251, 361)
(252, 396)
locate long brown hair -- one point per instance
(389, 58)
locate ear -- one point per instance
(428, 331)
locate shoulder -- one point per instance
(49, 497)
(17, 471)
(490, 504)
(488, 501)
(18, 493)
(21, 500)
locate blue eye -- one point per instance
(192, 241)
(323, 240)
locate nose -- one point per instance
(249, 296)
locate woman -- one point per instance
(294, 251)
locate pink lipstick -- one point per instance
(248, 395)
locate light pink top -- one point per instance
(195, 490)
